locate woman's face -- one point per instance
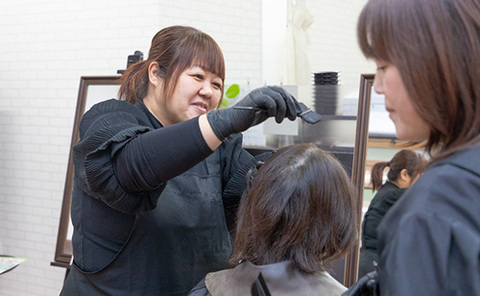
(197, 91)
(408, 123)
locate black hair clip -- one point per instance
(252, 172)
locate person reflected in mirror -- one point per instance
(158, 170)
(428, 68)
(403, 170)
(297, 216)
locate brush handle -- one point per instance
(301, 108)
(246, 108)
(305, 113)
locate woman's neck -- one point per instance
(154, 109)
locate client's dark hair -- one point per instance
(300, 207)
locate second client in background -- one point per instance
(404, 169)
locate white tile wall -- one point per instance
(47, 45)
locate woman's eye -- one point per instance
(217, 85)
(381, 68)
(198, 76)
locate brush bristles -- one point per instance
(310, 117)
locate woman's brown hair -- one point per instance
(414, 163)
(300, 207)
(175, 49)
(435, 45)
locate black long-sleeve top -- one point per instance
(148, 203)
(383, 200)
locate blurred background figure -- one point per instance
(404, 169)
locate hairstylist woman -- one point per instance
(427, 53)
(153, 171)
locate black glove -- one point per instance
(367, 285)
(264, 102)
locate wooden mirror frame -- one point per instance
(63, 250)
(358, 170)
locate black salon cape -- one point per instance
(142, 235)
(429, 241)
(383, 200)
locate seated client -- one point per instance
(296, 216)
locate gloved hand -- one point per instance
(267, 101)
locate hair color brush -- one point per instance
(305, 113)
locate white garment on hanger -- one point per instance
(295, 64)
